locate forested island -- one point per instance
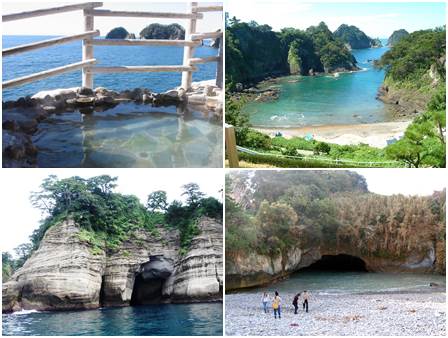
(153, 31)
(413, 90)
(254, 52)
(101, 248)
(356, 38)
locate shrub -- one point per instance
(322, 148)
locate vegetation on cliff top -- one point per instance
(107, 218)
(417, 63)
(254, 52)
(269, 212)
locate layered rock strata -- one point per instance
(64, 273)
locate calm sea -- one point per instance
(43, 59)
(349, 98)
(329, 282)
(203, 319)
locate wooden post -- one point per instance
(188, 50)
(231, 151)
(87, 49)
(219, 67)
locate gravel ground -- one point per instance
(354, 315)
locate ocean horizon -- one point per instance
(55, 56)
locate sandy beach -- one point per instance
(400, 314)
(373, 134)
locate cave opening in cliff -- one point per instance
(102, 292)
(338, 263)
(147, 291)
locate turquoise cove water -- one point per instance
(348, 98)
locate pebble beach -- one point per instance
(391, 314)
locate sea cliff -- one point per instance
(67, 273)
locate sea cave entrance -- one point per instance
(150, 279)
(146, 291)
(338, 263)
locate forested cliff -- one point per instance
(255, 51)
(99, 248)
(280, 222)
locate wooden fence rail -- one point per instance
(192, 40)
(48, 43)
(47, 11)
(231, 151)
(47, 73)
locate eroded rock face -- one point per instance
(61, 274)
(123, 265)
(65, 273)
(198, 274)
(250, 270)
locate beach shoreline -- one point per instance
(353, 314)
(373, 134)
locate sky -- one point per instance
(19, 218)
(72, 22)
(376, 19)
(404, 181)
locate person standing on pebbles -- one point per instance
(305, 298)
(276, 305)
(295, 302)
(265, 301)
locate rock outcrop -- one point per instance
(62, 274)
(396, 36)
(21, 118)
(403, 102)
(65, 273)
(198, 274)
(249, 270)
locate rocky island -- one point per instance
(155, 31)
(355, 38)
(130, 255)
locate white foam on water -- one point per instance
(25, 312)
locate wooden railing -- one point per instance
(231, 150)
(192, 40)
